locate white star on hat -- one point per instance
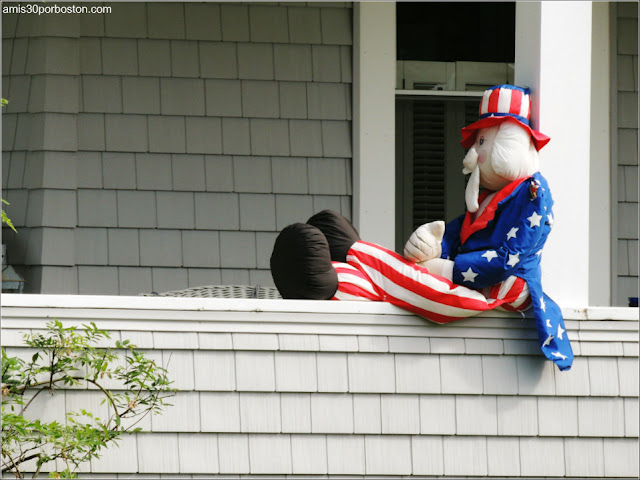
(512, 233)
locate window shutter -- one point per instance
(428, 165)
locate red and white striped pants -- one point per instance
(374, 273)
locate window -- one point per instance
(446, 59)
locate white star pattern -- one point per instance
(512, 233)
(513, 260)
(534, 219)
(490, 255)
(560, 332)
(559, 355)
(547, 341)
(542, 305)
(550, 220)
(548, 322)
(469, 275)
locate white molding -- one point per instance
(374, 82)
(274, 306)
(600, 210)
(601, 325)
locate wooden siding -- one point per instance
(163, 145)
(330, 388)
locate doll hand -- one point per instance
(424, 243)
(439, 266)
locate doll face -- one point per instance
(484, 145)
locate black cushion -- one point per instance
(301, 264)
(339, 231)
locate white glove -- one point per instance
(424, 243)
(439, 266)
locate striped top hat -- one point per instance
(500, 104)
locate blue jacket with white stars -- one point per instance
(507, 239)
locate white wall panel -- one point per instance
(366, 413)
(270, 454)
(603, 376)
(601, 417)
(503, 456)
(182, 416)
(461, 374)
(438, 414)
(549, 450)
(558, 416)
(476, 415)
(584, 457)
(499, 374)
(535, 376)
(123, 458)
(158, 453)
(388, 455)
(309, 454)
(332, 372)
(371, 372)
(296, 372)
(417, 373)
(331, 413)
(345, 454)
(214, 370)
(233, 453)
(400, 414)
(517, 416)
(427, 455)
(260, 412)
(296, 412)
(465, 456)
(198, 452)
(620, 457)
(219, 412)
(255, 371)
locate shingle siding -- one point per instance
(134, 115)
(625, 135)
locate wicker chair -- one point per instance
(222, 291)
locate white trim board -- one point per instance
(592, 330)
(274, 306)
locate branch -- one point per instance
(21, 460)
(31, 400)
(4, 469)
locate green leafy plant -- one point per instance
(5, 219)
(69, 357)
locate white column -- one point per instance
(553, 58)
(600, 293)
(374, 77)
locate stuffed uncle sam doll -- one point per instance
(487, 258)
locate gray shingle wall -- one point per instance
(627, 148)
(169, 143)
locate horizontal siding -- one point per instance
(177, 455)
(269, 401)
(194, 133)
